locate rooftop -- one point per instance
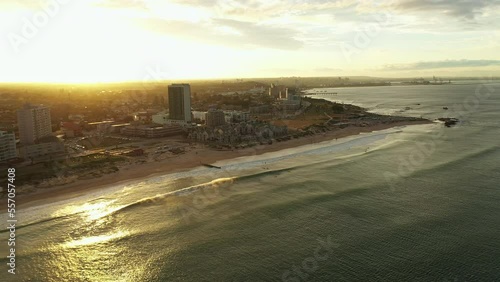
(29, 106)
(47, 139)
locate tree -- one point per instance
(156, 100)
(338, 108)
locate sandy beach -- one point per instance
(191, 159)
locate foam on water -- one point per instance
(440, 223)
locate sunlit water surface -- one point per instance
(418, 203)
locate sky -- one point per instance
(122, 40)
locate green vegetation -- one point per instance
(95, 165)
(94, 161)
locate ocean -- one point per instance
(413, 203)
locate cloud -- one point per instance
(345, 10)
(228, 33)
(467, 9)
(265, 9)
(337, 15)
(323, 70)
(120, 4)
(26, 4)
(254, 34)
(442, 64)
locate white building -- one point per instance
(7, 146)
(35, 133)
(160, 118)
(102, 127)
(45, 148)
(236, 116)
(34, 123)
(199, 115)
(163, 119)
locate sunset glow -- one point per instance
(109, 40)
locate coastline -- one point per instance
(190, 160)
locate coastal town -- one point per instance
(84, 134)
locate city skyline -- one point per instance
(107, 41)
(250, 140)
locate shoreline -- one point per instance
(190, 160)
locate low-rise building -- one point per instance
(278, 92)
(164, 119)
(7, 146)
(164, 131)
(71, 129)
(290, 105)
(45, 147)
(261, 109)
(201, 116)
(151, 132)
(102, 127)
(215, 118)
(76, 118)
(117, 128)
(238, 133)
(146, 116)
(236, 116)
(160, 118)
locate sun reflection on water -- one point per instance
(90, 211)
(96, 258)
(91, 240)
(95, 242)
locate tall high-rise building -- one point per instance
(179, 102)
(34, 123)
(7, 146)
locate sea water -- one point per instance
(415, 203)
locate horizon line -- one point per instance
(166, 81)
